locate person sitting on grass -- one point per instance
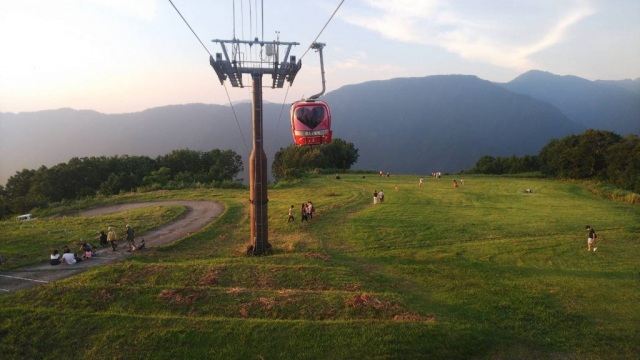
(69, 257)
(55, 258)
(86, 251)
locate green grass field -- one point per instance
(29, 242)
(479, 272)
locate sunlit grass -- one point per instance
(29, 242)
(481, 271)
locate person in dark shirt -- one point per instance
(591, 241)
(131, 238)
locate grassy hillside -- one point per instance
(483, 271)
(31, 242)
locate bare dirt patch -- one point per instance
(178, 296)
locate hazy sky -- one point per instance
(117, 56)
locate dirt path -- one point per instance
(198, 215)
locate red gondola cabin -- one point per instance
(311, 123)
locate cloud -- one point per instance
(505, 36)
(557, 32)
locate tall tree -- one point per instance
(578, 156)
(292, 161)
(623, 163)
(182, 161)
(222, 165)
(592, 149)
(339, 154)
(4, 203)
(20, 183)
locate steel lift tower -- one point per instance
(233, 68)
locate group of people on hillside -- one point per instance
(438, 175)
(67, 257)
(111, 239)
(87, 251)
(378, 196)
(306, 212)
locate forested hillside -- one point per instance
(90, 176)
(405, 125)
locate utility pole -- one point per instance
(233, 68)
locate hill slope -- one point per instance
(483, 271)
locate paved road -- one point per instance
(198, 215)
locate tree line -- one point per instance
(294, 161)
(90, 176)
(595, 154)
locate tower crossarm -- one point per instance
(233, 68)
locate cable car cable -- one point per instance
(324, 27)
(190, 28)
(305, 53)
(225, 86)
(280, 117)
(236, 117)
(250, 21)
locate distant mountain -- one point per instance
(406, 125)
(441, 123)
(31, 139)
(631, 85)
(601, 105)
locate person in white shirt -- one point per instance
(68, 257)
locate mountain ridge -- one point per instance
(606, 105)
(403, 125)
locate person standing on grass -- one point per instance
(291, 218)
(375, 197)
(591, 240)
(112, 238)
(303, 213)
(310, 209)
(131, 238)
(421, 182)
(103, 239)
